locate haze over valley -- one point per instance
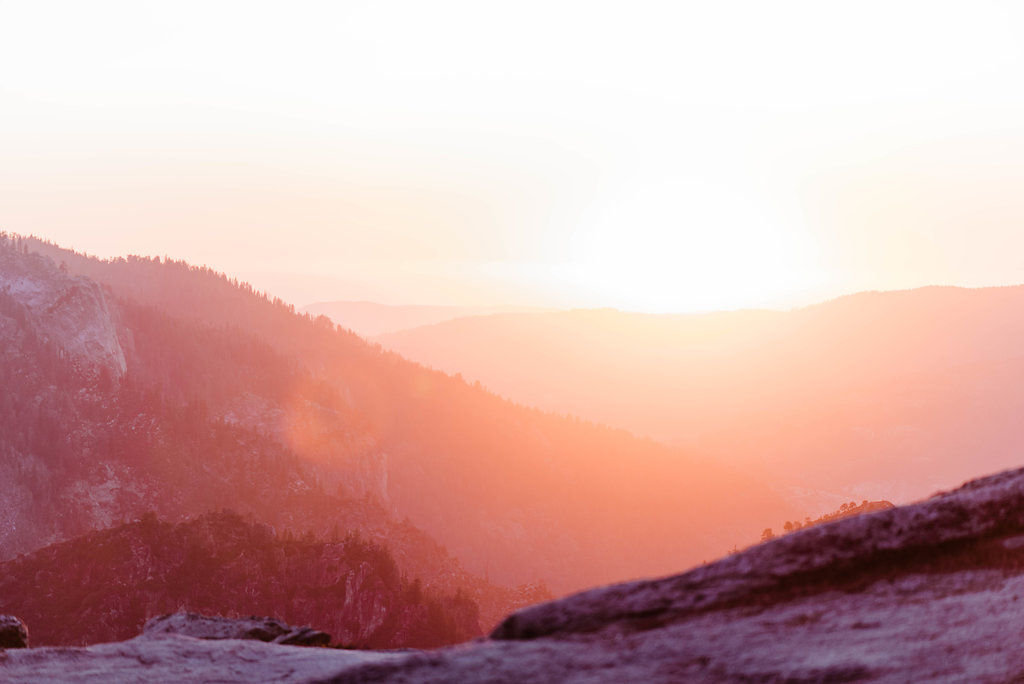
(870, 396)
(487, 343)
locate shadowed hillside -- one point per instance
(105, 585)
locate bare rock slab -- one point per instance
(251, 628)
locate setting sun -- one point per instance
(687, 245)
(664, 157)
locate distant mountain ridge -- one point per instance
(369, 319)
(876, 395)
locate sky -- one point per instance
(647, 156)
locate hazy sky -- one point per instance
(650, 156)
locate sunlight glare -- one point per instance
(678, 245)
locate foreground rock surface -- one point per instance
(177, 658)
(254, 628)
(932, 592)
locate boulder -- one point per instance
(253, 628)
(13, 632)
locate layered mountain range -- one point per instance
(394, 505)
(877, 395)
(136, 385)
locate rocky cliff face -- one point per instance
(926, 593)
(71, 312)
(61, 352)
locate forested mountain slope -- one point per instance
(82, 448)
(103, 586)
(518, 495)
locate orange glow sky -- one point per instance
(648, 156)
